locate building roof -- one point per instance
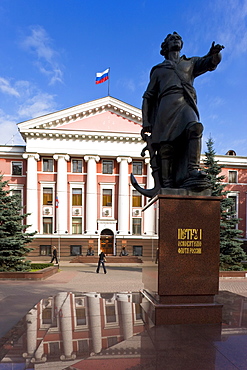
(84, 117)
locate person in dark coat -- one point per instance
(101, 262)
(124, 252)
(90, 252)
(54, 254)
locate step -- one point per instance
(109, 259)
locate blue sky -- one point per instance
(51, 50)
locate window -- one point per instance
(136, 226)
(81, 316)
(76, 197)
(107, 197)
(76, 225)
(111, 341)
(45, 250)
(47, 165)
(110, 313)
(234, 203)
(138, 312)
(107, 167)
(75, 250)
(17, 168)
(17, 193)
(54, 347)
(232, 177)
(83, 346)
(77, 165)
(136, 199)
(47, 225)
(137, 250)
(47, 196)
(137, 168)
(47, 315)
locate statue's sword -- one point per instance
(150, 193)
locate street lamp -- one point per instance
(59, 239)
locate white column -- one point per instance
(123, 195)
(63, 307)
(126, 315)
(36, 352)
(31, 319)
(62, 190)
(32, 190)
(95, 320)
(149, 214)
(91, 194)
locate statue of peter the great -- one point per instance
(171, 123)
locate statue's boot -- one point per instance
(194, 134)
(194, 151)
(166, 173)
(166, 152)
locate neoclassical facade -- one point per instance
(73, 176)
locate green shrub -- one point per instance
(40, 266)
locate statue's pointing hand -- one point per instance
(215, 49)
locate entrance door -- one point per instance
(106, 241)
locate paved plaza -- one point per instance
(16, 297)
(187, 347)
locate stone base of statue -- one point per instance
(181, 287)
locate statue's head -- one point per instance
(173, 41)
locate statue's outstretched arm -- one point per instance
(214, 51)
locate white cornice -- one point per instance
(83, 135)
(229, 160)
(81, 111)
(12, 150)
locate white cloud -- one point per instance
(127, 83)
(40, 44)
(6, 88)
(27, 102)
(9, 131)
(225, 22)
(216, 102)
(38, 105)
(233, 30)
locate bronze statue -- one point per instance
(171, 125)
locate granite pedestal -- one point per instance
(181, 288)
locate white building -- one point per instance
(74, 177)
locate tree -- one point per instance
(13, 235)
(231, 253)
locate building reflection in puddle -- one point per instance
(73, 325)
(91, 330)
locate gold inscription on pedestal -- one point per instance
(190, 241)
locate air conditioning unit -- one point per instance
(76, 211)
(136, 212)
(79, 302)
(106, 212)
(47, 211)
(47, 303)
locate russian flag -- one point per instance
(102, 76)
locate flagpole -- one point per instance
(109, 83)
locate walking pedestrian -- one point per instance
(101, 262)
(54, 255)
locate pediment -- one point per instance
(103, 122)
(102, 115)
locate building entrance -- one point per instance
(106, 241)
